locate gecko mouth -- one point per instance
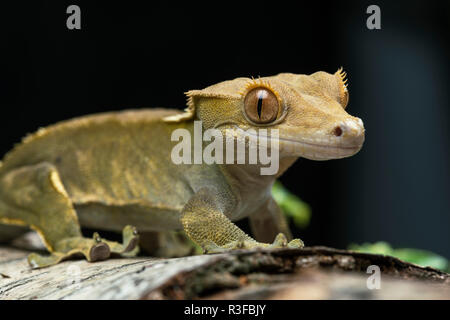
(310, 149)
(317, 151)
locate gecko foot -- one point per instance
(94, 249)
(279, 242)
(282, 242)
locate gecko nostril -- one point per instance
(337, 131)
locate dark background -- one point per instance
(137, 55)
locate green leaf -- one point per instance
(291, 205)
(416, 256)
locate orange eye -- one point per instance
(261, 105)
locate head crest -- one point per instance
(343, 86)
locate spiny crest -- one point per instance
(188, 113)
(258, 83)
(343, 76)
(190, 99)
(31, 136)
(343, 88)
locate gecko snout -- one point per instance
(352, 129)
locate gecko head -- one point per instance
(308, 111)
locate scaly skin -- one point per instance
(112, 170)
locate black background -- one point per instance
(146, 54)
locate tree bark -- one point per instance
(309, 273)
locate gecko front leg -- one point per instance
(268, 221)
(206, 224)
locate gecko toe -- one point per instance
(129, 246)
(99, 252)
(130, 238)
(280, 241)
(296, 244)
(37, 261)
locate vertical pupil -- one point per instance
(261, 95)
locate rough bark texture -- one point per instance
(310, 273)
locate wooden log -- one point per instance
(310, 273)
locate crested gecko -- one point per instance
(113, 171)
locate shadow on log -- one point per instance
(309, 273)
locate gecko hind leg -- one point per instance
(35, 196)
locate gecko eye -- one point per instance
(261, 105)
